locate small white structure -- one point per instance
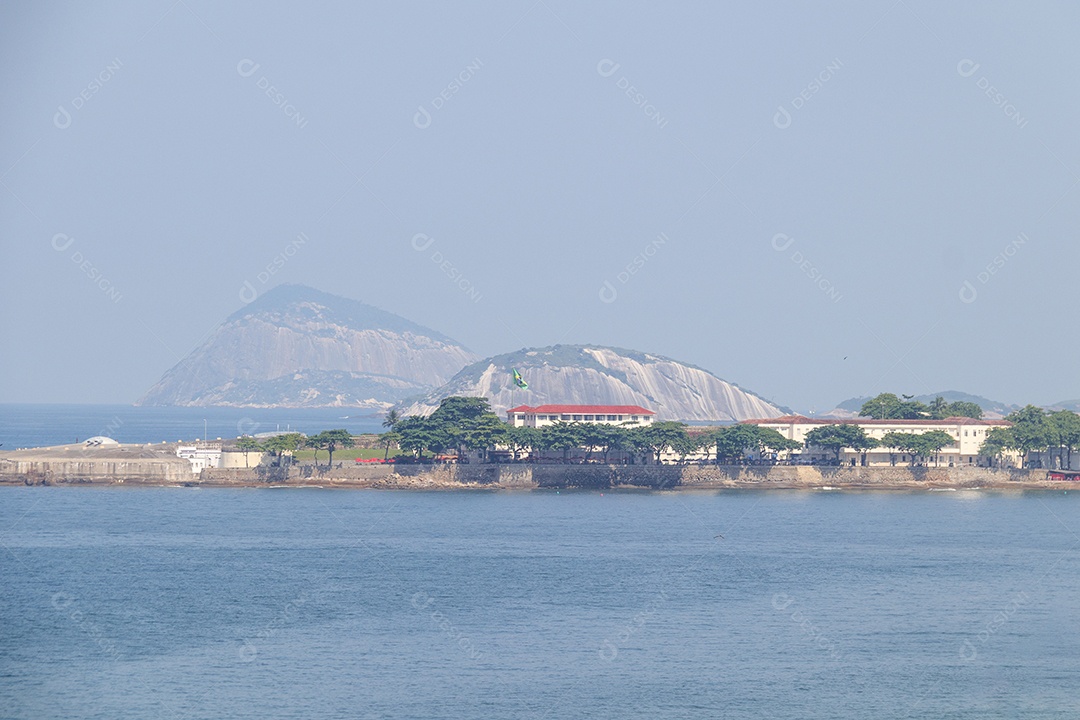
(98, 441)
(241, 459)
(201, 455)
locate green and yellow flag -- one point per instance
(520, 381)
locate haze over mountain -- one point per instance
(295, 346)
(589, 374)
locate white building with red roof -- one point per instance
(525, 416)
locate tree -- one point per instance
(917, 444)
(940, 409)
(932, 442)
(592, 437)
(1031, 430)
(393, 417)
(707, 443)
(608, 438)
(337, 438)
(284, 443)
(248, 444)
(561, 436)
(1066, 424)
(420, 433)
(837, 437)
(998, 440)
(484, 432)
(458, 417)
(965, 409)
(902, 441)
(684, 445)
(887, 406)
(316, 443)
(457, 410)
(639, 443)
(386, 440)
(732, 442)
(769, 439)
(522, 438)
(659, 436)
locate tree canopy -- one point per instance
(284, 443)
(837, 437)
(329, 440)
(888, 406)
(461, 423)
(925, 444)
(731, 443)
(1035, 430)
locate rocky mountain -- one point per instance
(587, 374)
(297, 347)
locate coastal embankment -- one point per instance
(154, 466)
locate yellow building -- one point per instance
(968, 435)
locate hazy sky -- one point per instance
(817, 200)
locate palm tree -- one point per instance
(392, 418)
(388, 439)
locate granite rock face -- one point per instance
(588, 374)
(297, 347)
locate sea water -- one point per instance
(24, 425)
(306, 603)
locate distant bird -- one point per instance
(718, 536)
(845, 357)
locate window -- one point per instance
(565, 417)
(589, 417)
(633, 417)
(965, 433)
(612, 417)
(577, 417)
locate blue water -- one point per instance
(23, 425)
(195, 603)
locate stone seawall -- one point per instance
(152, 471)
(653, 477)
(813, 476)
(174, 471)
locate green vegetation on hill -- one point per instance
(948, 396)
(888, 406)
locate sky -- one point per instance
(812, 200)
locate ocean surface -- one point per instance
(24, 425)
(305, 603)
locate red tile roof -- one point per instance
(802, 420)
(583, 409)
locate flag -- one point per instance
(520, 381)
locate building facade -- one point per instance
(201, 455)
(968, 435)
(525, 416)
